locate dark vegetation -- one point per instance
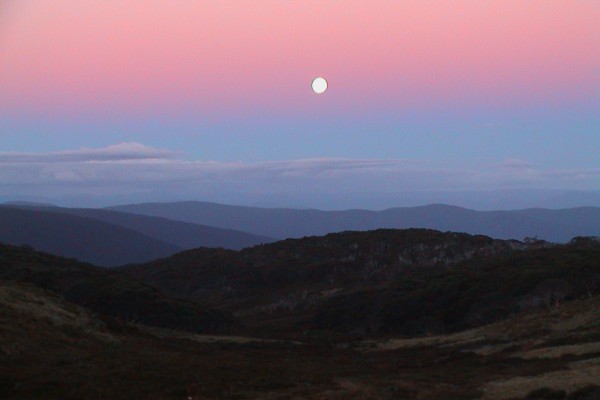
(90, 360)
(590, 392)
(352, 315)
(552, 225)
(355, 259)
(108, 292)
(52, 349)
(471, 293)
(408, 282)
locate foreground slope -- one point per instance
(53, 349)
(83, 238)
(107, 291)
(552, 225)
(549, 352)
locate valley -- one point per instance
(385, 314)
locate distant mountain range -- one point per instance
(140, 233)
(484, 200)
(110, 238)
(552, 225)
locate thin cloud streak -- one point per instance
(127, 167)
(117, 152)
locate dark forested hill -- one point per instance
(552, 225)
(108, 291)
(334, 314)
(351, 259)
(380, 281)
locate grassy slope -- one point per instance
(558, 349)
(51, 349)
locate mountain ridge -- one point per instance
(85, 239)
(558, 225)
(113, 238)
(375, 281)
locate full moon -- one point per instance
(319, 85)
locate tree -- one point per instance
(530, 302)
(429, 326)
(553, 292)
(588, 282)
(488, 312)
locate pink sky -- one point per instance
(227, 55)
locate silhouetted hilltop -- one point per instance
(377, 281)
(182, 235)
(85, 239)
(354, 259)
(110, 238)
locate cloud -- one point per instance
(117, 152)
(131, 167)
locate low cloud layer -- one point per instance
(126, 168)
(117, 152)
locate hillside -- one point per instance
(540, 354)
(85, 239)
(52, 349)
(108, 292)
(551, 225)
(387, 314)
(351, 259)
(378, 282)
(473, 292)
(182, 235)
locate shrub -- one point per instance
(591, 392)
(546, 393)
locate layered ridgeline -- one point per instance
(60, 339)
(385, 281)
(551, 225)
(108, 292)
(110, 238)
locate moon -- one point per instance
(319, 85)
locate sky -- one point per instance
(211, 100)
